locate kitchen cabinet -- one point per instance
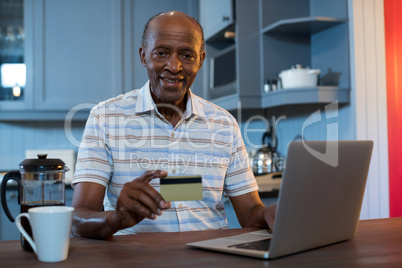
(73, 53)
(82, 52)
(13, 21)
(78, 52)
(215, 16)
(247, 56)
(311, 33)
(273, 35)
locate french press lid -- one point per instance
(42, 164)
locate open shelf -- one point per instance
(321, 94)
(305, 25)
(234, 101)
(219, 40)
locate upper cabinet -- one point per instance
(274, 35)
(73, 55)
(78, 52)
(231, 71)
(82, 52)
(215, 16)
(13, 23)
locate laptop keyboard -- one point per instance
(262, 245)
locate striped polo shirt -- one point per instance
(126, 136)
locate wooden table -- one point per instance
(377, 243)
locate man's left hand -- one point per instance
(269, 216)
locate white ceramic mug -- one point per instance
(51, 229)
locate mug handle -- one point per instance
(22, 230)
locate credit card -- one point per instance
(181, 188)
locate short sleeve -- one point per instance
(94, 162)
(239, 178)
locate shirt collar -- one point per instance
(145, 102)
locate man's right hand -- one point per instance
(139, 200)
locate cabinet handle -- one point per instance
(225, 18)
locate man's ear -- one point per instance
(202, 58)
(141, 51)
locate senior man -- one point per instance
(132, 141)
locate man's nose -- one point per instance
(174, 64)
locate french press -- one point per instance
(40, 183)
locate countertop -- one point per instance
(377, 243)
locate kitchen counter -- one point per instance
(269, 184)
(378, 242)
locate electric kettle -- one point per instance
(265, 160)
(40, 183)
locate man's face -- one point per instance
(172, 56)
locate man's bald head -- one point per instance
(171, 15)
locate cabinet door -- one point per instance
(78, 52)
(16, 19)
(215, 16)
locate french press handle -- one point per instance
(12, 175)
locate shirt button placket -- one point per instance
(171, 155)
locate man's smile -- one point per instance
(172, 80)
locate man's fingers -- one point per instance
(141, 183)
(151, 174)
(133, 211)
(147, 201)
(138, 199)
(140, 191)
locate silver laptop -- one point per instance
(319, 201)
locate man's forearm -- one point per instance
(94, 224)
(251, 212)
